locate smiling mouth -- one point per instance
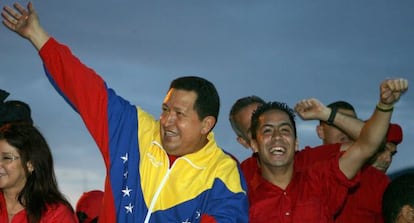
(277, 150)
(168, 133)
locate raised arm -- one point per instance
(313, 109)
(86, 92)
(25, 23)
(374, 130)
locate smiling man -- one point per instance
(316, 194)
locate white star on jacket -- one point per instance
(129, 208)
(126, 191)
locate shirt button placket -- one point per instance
(287, 213)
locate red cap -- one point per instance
(90, 203)
(395, 134)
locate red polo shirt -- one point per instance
(314, 195)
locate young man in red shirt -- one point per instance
(240, 117)
(316, 194)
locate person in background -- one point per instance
(89, 206)
(317, 193)
(398, 200)
(383, 159)
(147, 160)
(240, 116)
(331, 134)
(28, 189)
(364, 200)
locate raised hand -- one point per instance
(25, 22)
(391, 91)
(312, 109)
(19, 19)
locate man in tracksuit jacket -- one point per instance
(166, 170)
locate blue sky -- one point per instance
(279, 50)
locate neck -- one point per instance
(279, 176)
(12, 204)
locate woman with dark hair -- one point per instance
(28, 187)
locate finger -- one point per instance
(299, 104)
(20, 8)
(391, 84)
(386, 95)
(7, 17)
(402, 84)
(12, 13)
(305, 103)
(299, 108)
(310, 103)
(30, 6)
(8, 24)
(398, 85)
(7, 11)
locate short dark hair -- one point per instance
(342, 105)
(398, 193)
(237, 107)
(271, 106)
(208, 100)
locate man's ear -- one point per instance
(207, 124)
(243, 142)
(407, 213)
(320, 131)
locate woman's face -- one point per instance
(12, 173)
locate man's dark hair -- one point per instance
(271, 106)
(399, 192)
(237, 107)
(208, 100)
(341, 104)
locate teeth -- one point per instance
(169, 133)
(277, 150)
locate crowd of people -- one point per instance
(172, 170)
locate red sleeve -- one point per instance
(80, 86)
(87, 93)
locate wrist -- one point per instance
(331, 118)
(384, 107)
